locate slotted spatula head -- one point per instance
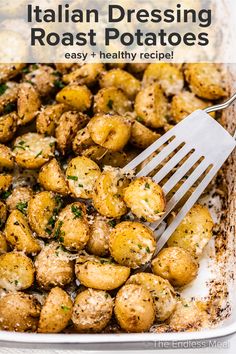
(200, 145)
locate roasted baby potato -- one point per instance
(16, 271)
(107, 196)
(78, 97)
(81, 175)
(206, 81)
(101, 273)
(42, 77)
(145, 198)
(32, 150)
(98, 243)
(42, 209)
(194, 232)
(137, 68)
(163, 294)
(19, 235)
(186, 103)
(3, 213)
(72, 228)
(69, 123)
(48, 117)
(151, 106)
(53, 267)
(8, 71)
(86, 74)
(52, 178)
(8, 97)
(141, 136)
(111, 132)
(3, 243)
(56, 312)
(168, 76)
(132, 244)
(5, 182)
(121, 80)
(176, 265)
(19, 199)
(82, 141)
(6, 158)
(28, 103)
(8, 123)
(111, 100)
(19, 312)
(92, 310)
(134, 308)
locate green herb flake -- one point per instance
(5, 195)
(34, 67)
(58, 230)
(3, 88)
(148, 249)
(110, 104)
(40, 153)
(16, 282)
(65, 308)
(76, 211)
(59, 84)
(140, 246)
(147, 186)
(139, 119)
(9, 108)
(26, 70)
(81, 185)
(112, 223)
(22, 206)
(73, 178)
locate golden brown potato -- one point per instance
(19, 199)
(111, 100)
(3, 243)
(64, 67)
(186, 103)
(19, 235)
(194, 232)
(72, 228)
(151, 106)
(8, 97)
(206, 80)
(142, 137)
(19, 312)
(162, 293)
(98, 243)
(56, 312)
(32, 150)
(82, 140)
(137, 67)
(168, 76)
(121, 80)
(48, 117)
(68, 125)
(7, 126)
(53, 267)
(101, 273)
(16, 271)
(3, 213)
(134, 308)
(5, 182)
(81, 175)
(87, 74)
(42, 77)
(176, 265)
(42, 209)
(28, 103)
(132, 244)
(145, 198)
(92, 310)
(108, 191)
(111, 132)
(6, 158)
(8, 71)
(52, 178)
(78, 97)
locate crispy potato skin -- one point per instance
(19, 196)
(87, 74)
(111, 100)
(134, 308)
(6, 158)
(101, 274)
(206, 81)
(131, 244)
(141, 136)
(121, 80)
(3, 243)
(3, 213)
(82, 141)
(81, 175)
(19, 235)
(53, 267)
(194, 232)
(111, 132)
(52, 178)
(78, 97)
(8, 124)
(48, 117)
(145, 198)
(28, 103)
(72, 228)
(98, 243)
(56, 312)
(176, 265)
(19, 312)
(92, 310)
(16, 271)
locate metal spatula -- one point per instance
(200, 145)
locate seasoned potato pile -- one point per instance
(77, 251)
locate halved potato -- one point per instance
(78, 97)
(52, 178)
(28, 103)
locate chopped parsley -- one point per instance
(3, 88)
(139, 119)
(65, 308)
(112, 223)
(148, 249)
(40, 153)
(59, 84)
(76, 211)
(5, 194)
(110, 104)
(81, 185)
(58, 230)
(16, 282)
(34, 66)
(9, 108)
(22, 206)
(73, 178)
(147, 186)
(26, 70)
